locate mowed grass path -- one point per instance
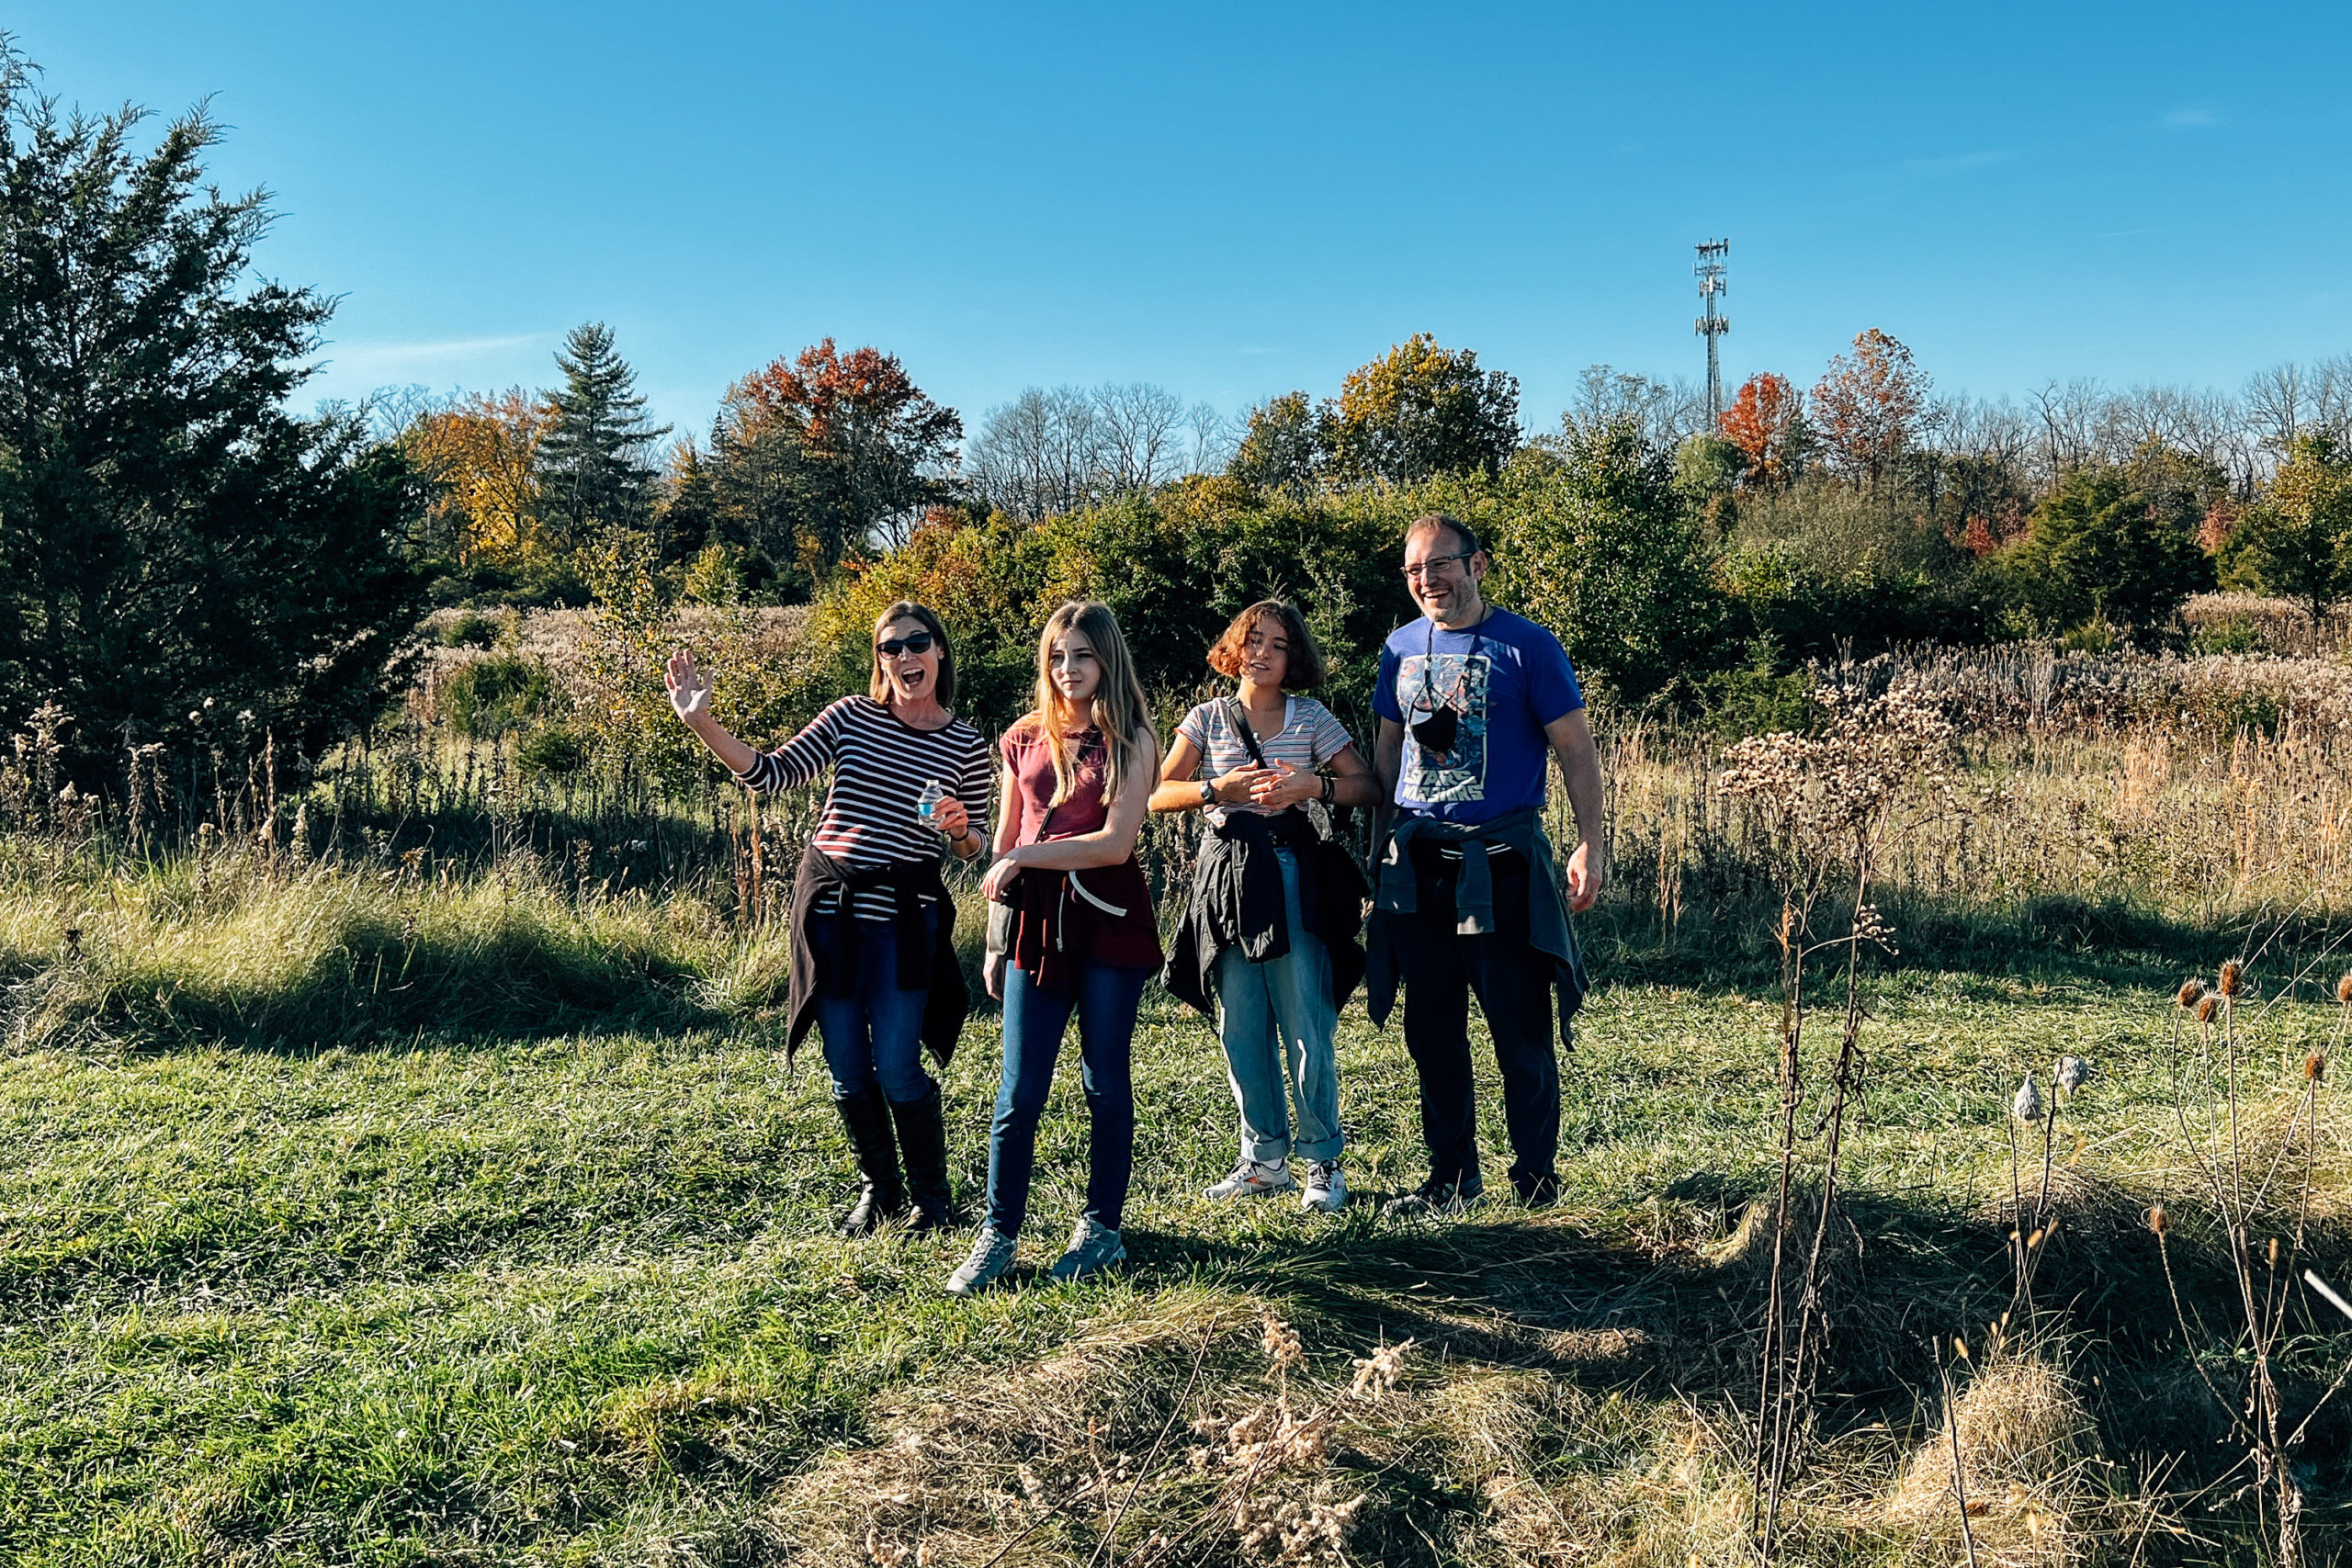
(577, 1299)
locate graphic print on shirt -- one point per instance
(1426, 682)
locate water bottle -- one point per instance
(928, 799)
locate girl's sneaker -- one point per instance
(991, 1259)
(1093, 1248)
(1327, 1189)
(1250, 1180)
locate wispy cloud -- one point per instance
(1956, 163)
(2185, 118)
(395, 355)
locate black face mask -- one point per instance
(1437, 732)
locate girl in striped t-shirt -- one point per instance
(873, 964)
(1268, 943)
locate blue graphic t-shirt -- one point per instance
(1504, 679)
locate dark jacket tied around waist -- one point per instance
(925, 964)
(1397, 902)
(1238, 902)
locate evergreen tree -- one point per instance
(2102, 546)
(593, 476)
(173, 543)
(2298, 540)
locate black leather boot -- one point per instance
(922, 1138)
(884, 1197)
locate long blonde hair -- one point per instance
(1119, 708)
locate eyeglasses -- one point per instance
(890, 648)
(1416, 573)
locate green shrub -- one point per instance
(471, 629)
(2231, 634)
(492, 696)
(1757, 697)
(2104, 546)
(555, 750)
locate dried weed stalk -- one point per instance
(1826, 804)
(2256, 1170)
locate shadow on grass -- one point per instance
(2117, 942)
(379, 984)
(1614, 1314)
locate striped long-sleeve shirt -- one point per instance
(880, 767)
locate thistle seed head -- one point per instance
(2209, 1009)
(2158, 1221)
(2343, 989)
(2315, 1067)
(2231, 979)
(2192, 992)
(2026, 1106)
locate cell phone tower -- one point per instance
(1712, 324)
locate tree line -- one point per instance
(171, 531)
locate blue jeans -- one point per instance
(1275, 1017)
(1104, 997)
(872, 1036)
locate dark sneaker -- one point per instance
(991, 1259)
(1327, 1189)
(1093, 1248)
(1435, 1200)
(1540, 1192)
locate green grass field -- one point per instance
(561, 1287)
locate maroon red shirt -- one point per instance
(1101, 914)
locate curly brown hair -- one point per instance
(1304, 670)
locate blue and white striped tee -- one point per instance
(1310, 738)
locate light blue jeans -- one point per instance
(1274, 1020)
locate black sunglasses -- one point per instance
(890, 648)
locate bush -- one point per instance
(470, 630)
(2101, 546)
(1175, 565)
(491, 696)
(1599, 545)
(553, 751)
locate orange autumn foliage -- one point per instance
(1759, 422)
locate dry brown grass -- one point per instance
(2028, 1466)
(2205, 786)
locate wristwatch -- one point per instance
(1208, 792)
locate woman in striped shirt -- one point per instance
(873, 964)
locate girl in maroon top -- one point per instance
(1079, 772)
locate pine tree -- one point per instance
(172, 540)
(593, 476)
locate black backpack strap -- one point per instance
(1249, 736)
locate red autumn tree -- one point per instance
(1759, 421)
(838, 451)
(1868, 407)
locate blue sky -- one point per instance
(1238, 200)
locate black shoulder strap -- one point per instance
(1249, 736)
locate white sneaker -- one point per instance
(992, 1256)
(1327, 1189)
(1250, 1180)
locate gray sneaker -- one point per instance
(1252, 1179)
(1327, 1189)
(1434, 1200)
(1093, 1248)
(991, 1259)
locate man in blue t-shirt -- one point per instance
(1474, 702)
